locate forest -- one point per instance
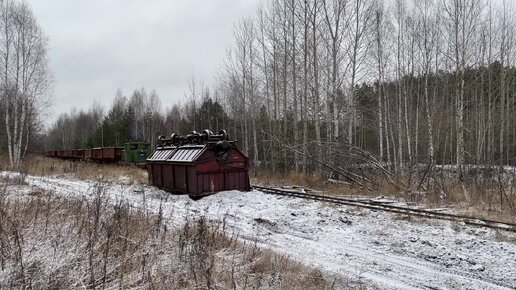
(307, 84)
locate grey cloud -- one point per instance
(99, 46)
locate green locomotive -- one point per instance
(136, 152)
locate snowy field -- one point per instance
(381, 250)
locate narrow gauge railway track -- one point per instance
(426, 213)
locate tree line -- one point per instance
(412, 81)
(137, 117)
(308, 83)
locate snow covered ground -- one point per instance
(382, 250)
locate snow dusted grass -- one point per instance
(43, 166)
(51, 241)
(483, 194)
(490, 194)
(350, 247)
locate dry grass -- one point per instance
(51, 242)
(475, 197)
(42, 166)
(312, 181)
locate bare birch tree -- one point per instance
(507, 41)
(379, 24)
(361, 14)
(427, 46)
(462, 18)
(25, 76)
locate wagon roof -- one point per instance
(162, 154)
(188, 153)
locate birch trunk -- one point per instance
(305, 86)
(380, 93)
(294, 87)
(316, 88)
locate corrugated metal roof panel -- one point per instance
(187, 154)
(162, 154)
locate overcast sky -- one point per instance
(98, 46)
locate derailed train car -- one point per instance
(198, 164)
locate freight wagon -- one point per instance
(198, 164)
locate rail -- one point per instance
(426, 213)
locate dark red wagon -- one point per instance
(88, 154)
(96, 154)
(112, 154)
(67, 154)
(78, 154)
(198, 164)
